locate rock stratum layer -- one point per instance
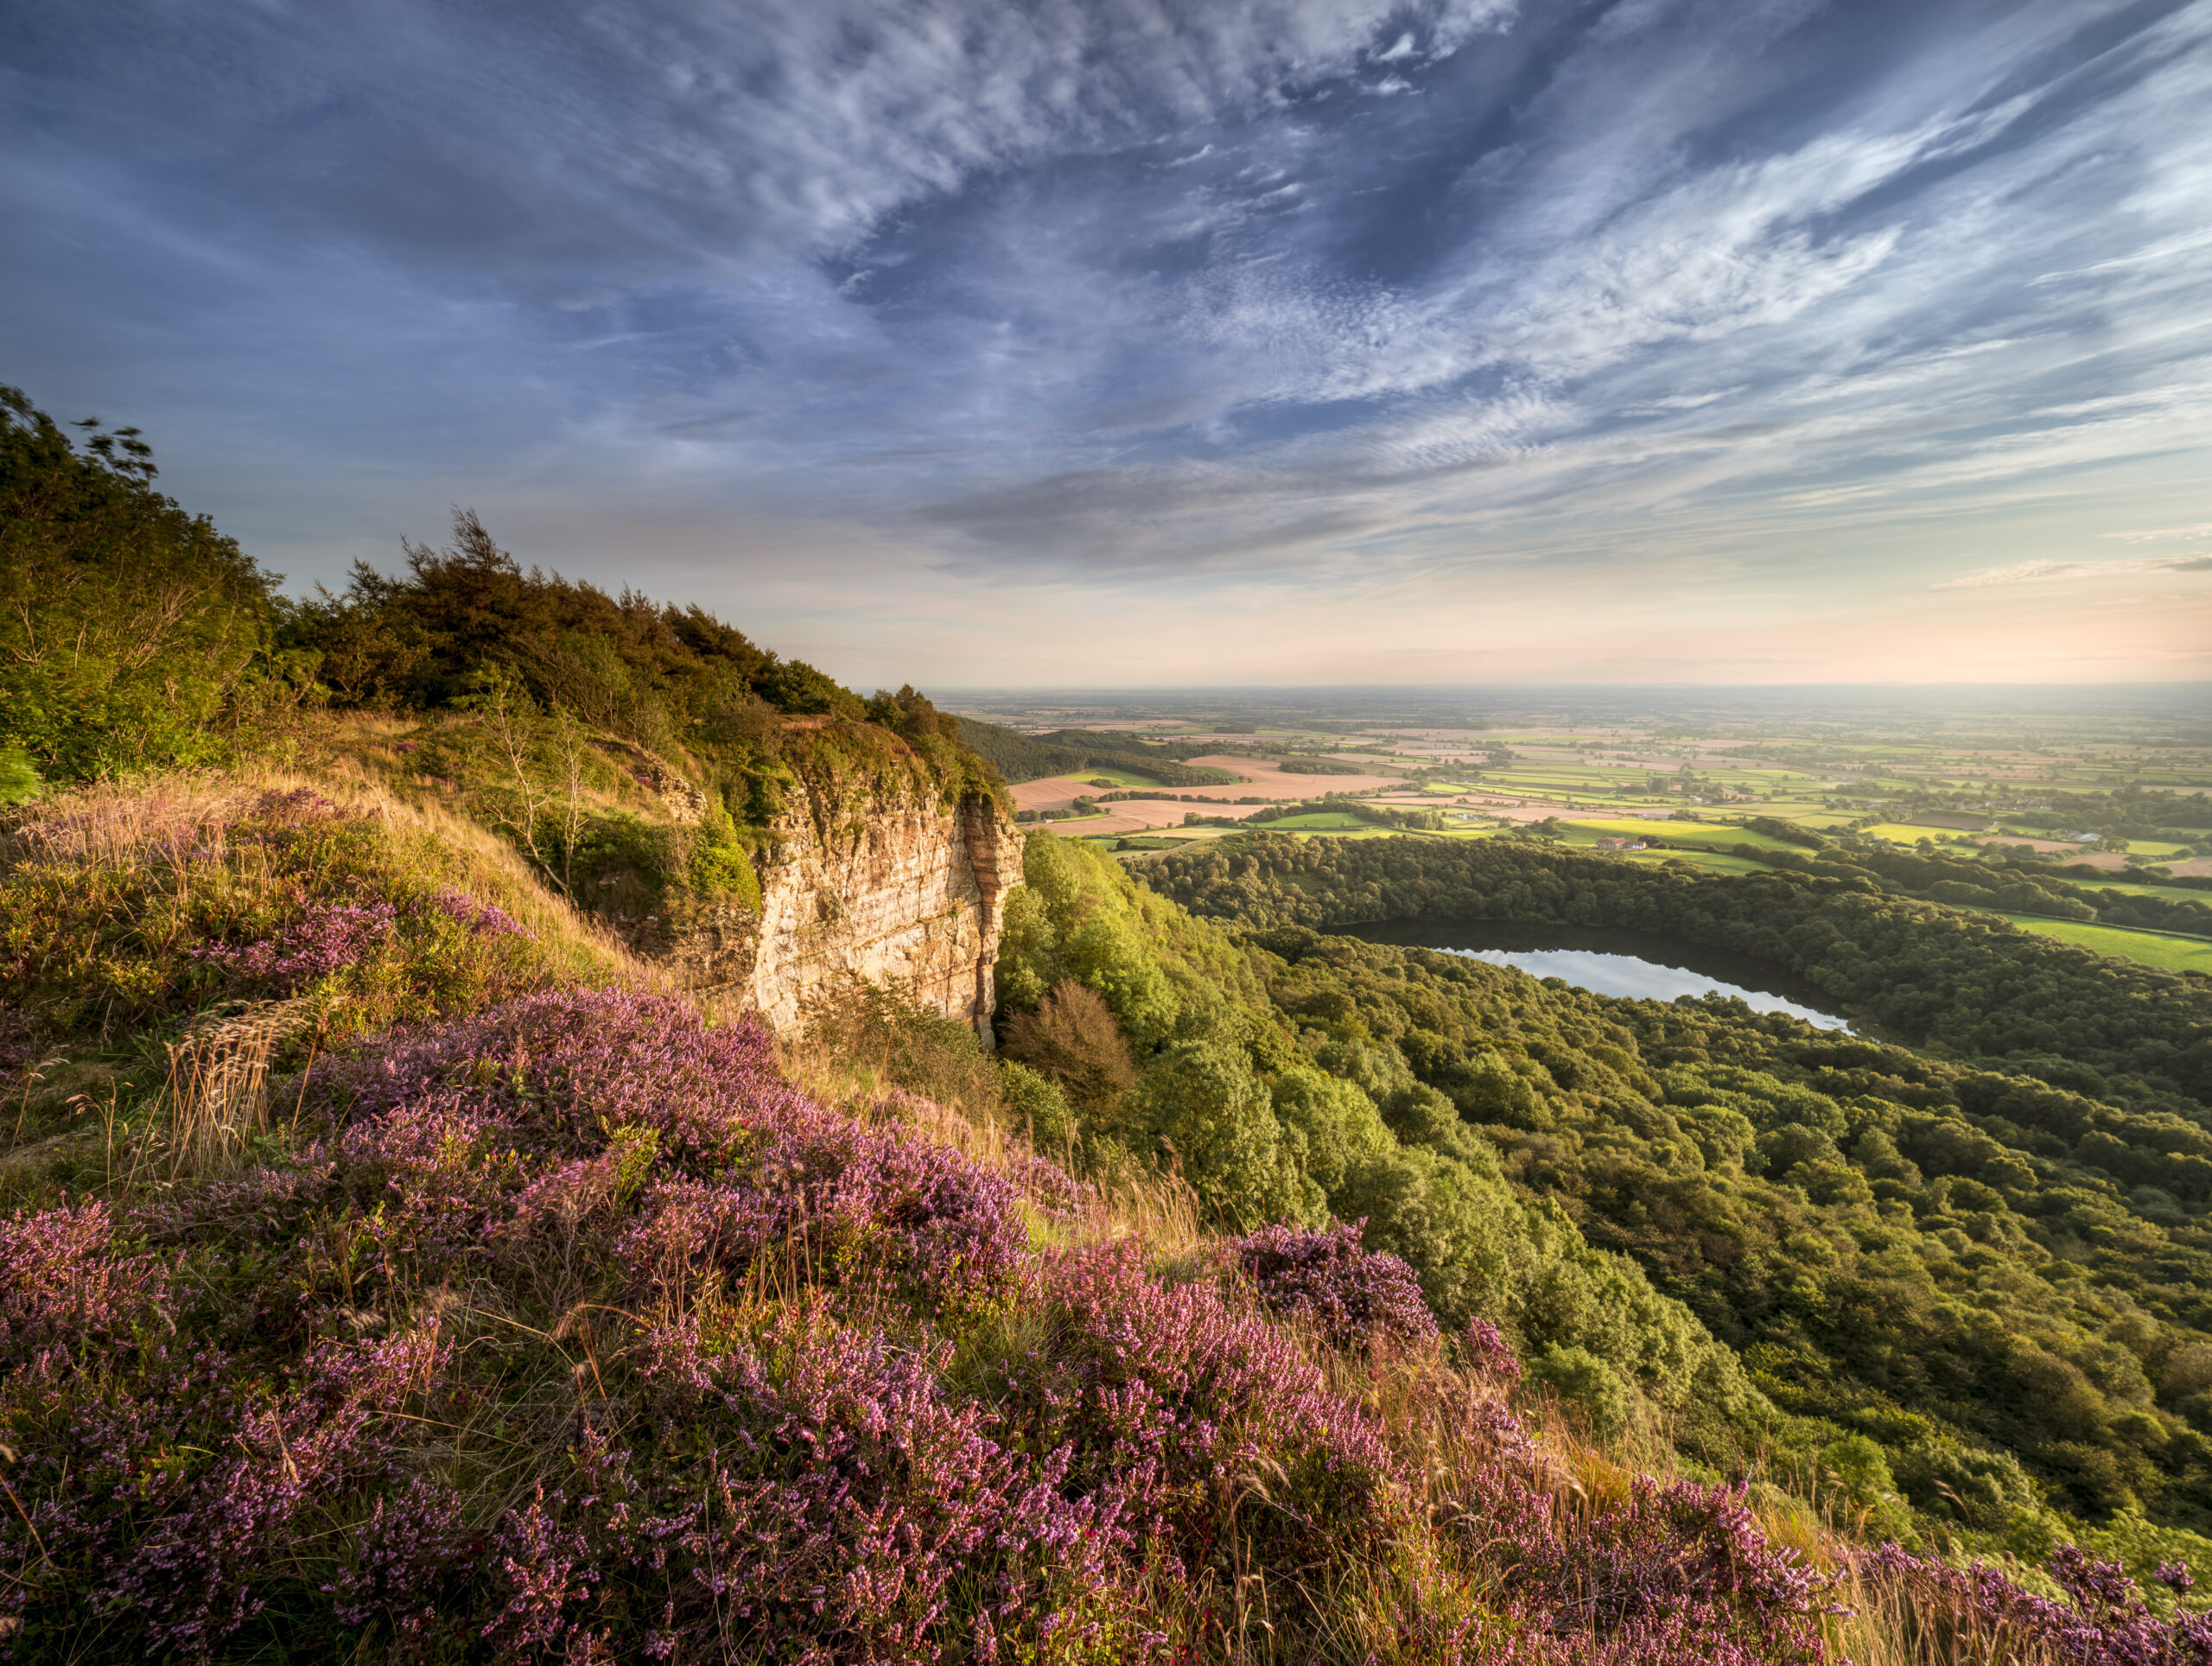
(905, 893)
(875, 879)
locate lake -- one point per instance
(1640, 964)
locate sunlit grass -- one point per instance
(2167, 949)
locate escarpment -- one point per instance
(869, 869)
(899, 891)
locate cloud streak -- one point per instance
(1101, 301)
(2044, 572)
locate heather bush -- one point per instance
(570, 1329)
(1357, 1298)
(120, 916)
(2100, 1618)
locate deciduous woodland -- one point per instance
(407, 1257)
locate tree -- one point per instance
(129, 628)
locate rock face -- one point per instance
(900, 892)
(866, 874)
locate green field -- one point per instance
(1709, 834)
(2166, 893)
(1905, 833)
(1321, 821)
(2169, 950)
(1118, 777)
(1808, 814)
(1718, 861)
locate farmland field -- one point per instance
(1620, 764)
(1718, 835)
(2168, 949)
(1716, 862)
(1319, 821)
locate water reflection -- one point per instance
(1637, 965)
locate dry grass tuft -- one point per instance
(215, 1103)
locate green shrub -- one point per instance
(1039, 1108)
(1588, 1384)
(132, 633)
(18, 777)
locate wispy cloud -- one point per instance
(2044, 572)
(1108, 297)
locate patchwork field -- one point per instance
(1684, 768)
(2169, 950)
(1266, 775)
(1720, 835)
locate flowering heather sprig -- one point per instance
(404, 1567)
(2105, 1623)
(566, 1067)
(483, 919)
(300, 806)
(845, 1494)
(1679, 1575)
(325, 939)
(495, 1125)
(1043, 1184)
(786, 1385)
(1484, 1350)
(1185, 1413)
(192, 1580)
(64, 1286)
(1358, 1299)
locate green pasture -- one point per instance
(1718, 861)
(1718, 835)
(1814, 815)
(1118, 777)
(1905, 833)
(2169, 950)
(2131, 888)
(1320, 821)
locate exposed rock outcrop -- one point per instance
(869, 875)
(870, 869)
(906, 894)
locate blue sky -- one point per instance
(1127, 342)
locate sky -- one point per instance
(1172, 342)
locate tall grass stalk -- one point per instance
(215, 1102)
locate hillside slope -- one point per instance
(559, 1322)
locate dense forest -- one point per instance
(1997, 881)
(1968, 985)
(1976, 1277)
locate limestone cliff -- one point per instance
(867, 872)
(905, 894)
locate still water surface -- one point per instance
(1639, 964)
